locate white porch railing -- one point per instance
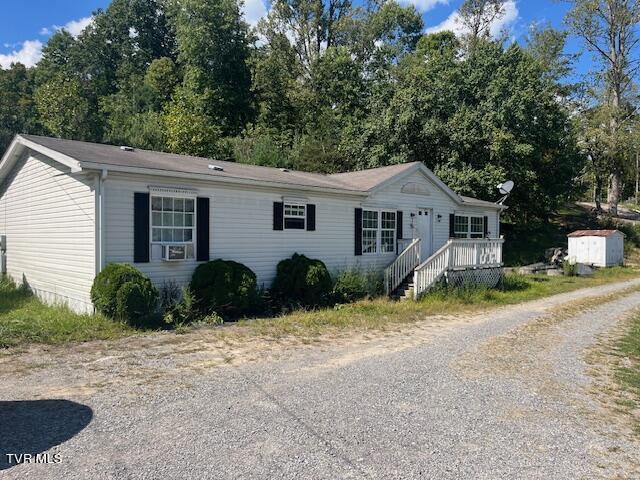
(457, 254)
(402, 266)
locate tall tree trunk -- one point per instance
(597, 192)
(613, 194)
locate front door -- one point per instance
(423, 230)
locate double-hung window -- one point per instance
(295, 216)
(468, 227)
(388, 232)
(477, 227)
(378, 231)
(173, 226)
(369, 231)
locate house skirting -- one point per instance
(489, 277)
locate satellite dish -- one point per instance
(506, 187)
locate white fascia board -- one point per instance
(18, 146)
(221, 180)
(61, 158)
(419, 167)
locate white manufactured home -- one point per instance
(68, 208)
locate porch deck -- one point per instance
(456, 255)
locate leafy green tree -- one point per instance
(213, 49)
(64, 109)
(608, 29)
(478, 16)
(188, 126)
(17, 110)
(478, 120)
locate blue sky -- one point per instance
(26, 25)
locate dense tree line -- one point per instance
(318, 85)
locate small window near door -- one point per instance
(461, 227)
(388, 232)
(294, 216)
(468, 227)
(477, 227)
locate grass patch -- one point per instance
(628, 346)
(25, 319)
(382, 313)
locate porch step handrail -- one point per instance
(431, 270)
(457, 254)
(402, 266)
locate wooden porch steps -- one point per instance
(457, 255)
(404, 292)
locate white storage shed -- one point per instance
(601, 248)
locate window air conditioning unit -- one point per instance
(173, 253)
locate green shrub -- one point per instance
(181, 312)
(121, 292)
(135, 302)
(303, 281)
(570, 269)
(225, 287)
(352, 285)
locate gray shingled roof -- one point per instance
(368, 179)
(110, 155)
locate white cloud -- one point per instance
(454, 24)
(29, 54)
(253, 11)
(424, 5)
(45, 31)
(75, 27)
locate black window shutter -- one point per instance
(311, 218)
(358, 232)
(202, 234)
(452, 225)
(141, 241)
(486, 226)
(399, 233)
(278, 215)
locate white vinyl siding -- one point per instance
(241, 229)
(49, 219)
(437, 201)
(241, 226)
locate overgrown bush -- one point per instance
(303, 281)
(570, 268)
(183, 311)
(170, 294)
(122, 292)
(352, 284)
(225, 287)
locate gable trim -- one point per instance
(20, 144)
(419, 167)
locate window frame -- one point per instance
(378, 231)
(394, 231)
(286, 204)
(193, 228)
(469, 233)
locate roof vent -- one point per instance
(125, 148)
(284, 169)
(216, 168)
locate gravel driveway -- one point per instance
(499, 395)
